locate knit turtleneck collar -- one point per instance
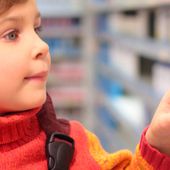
(18, 128)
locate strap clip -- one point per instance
(60, 151)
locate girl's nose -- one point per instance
(40, 48)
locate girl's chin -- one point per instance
(24, 102)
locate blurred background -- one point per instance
(110, 63)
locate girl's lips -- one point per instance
(38, 76)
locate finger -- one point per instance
(164, 106)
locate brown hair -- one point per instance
(7, 4)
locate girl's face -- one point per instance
(24, 59)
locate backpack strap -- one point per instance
(59, 146)
(48, 119)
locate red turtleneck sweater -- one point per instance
(22, 143)
(22, 147)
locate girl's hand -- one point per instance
(158, 134)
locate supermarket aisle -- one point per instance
(111, 63)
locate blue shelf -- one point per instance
(113, 133)
(134, 85)
(61, 48)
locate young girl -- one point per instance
(31, 138)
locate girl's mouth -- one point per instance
(40, 76)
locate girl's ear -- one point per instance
(48, 120)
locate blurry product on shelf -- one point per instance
(125, 60)
(61, 22)
(121, 119)
(102, 23)
(103, 52)
(107, 129)
(145, 68)
(161, 78)
(134, 23)
(66, 73)
(61, 27)
(162, 24)
(131, 110)
(63, 48)
(108, 86)
(66, 97)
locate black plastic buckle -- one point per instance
(60, 151)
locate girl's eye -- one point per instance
(38, 29)
(13, 35)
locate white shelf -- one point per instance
(61, 8)
(153, 49)
(118, 6)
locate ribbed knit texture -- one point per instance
(109, 161)
(158, 160)
(22, 142)
(83, 160)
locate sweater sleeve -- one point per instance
(157, 160)
(144, 158)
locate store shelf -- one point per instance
(58, 8)
(108, 135)
(67, 97)
(118, 6)
(61, 32)
(141, 42)
(153, 49)
(156, 50)
(133, 85)
(121, 126)
(66, 74)
(134, 122)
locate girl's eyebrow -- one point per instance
(17, 19)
